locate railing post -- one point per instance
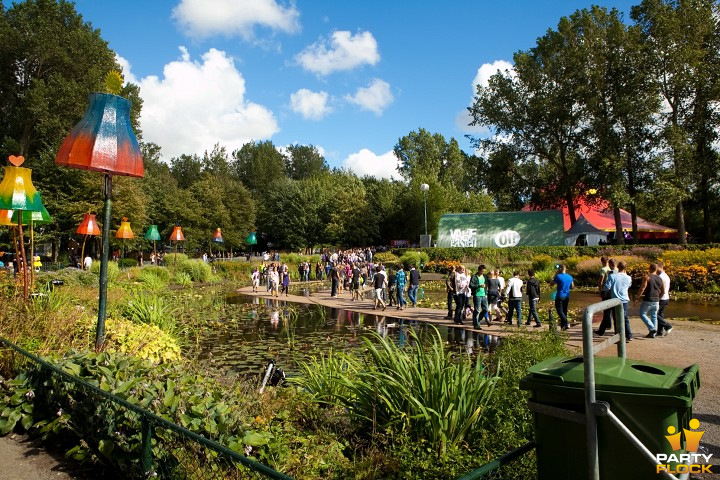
(590, 419)
(147, 434)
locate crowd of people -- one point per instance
(484, 295)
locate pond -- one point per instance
(272, 329)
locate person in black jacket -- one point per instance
(533, 293)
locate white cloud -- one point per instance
(202, 18)
(345, 52)
(366, 162)
(311, 105)
(375, 97)
(487, 70)
(198, 104)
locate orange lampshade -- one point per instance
(103, 140)
(125, 232)
(89, 225)
(177, 234)
(218, 238)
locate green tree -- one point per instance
(50, 60)
(534, 115)
(305, 161)
(186, 169)
(259, 164)
(683, 57)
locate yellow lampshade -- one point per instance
(125, 232)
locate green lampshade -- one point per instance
(251, 239)
(41, 216)
(152, 233)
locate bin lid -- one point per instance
(615, 374)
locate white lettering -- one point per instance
(507, 238)
(463, 238)
(686, 458)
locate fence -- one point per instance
(143, 445)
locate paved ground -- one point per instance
(690, 342)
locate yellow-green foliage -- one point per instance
(691, 257)
(542, 262)
(113, 270)
(387, 258)
(199, 270)
(140, 340)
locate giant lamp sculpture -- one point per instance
(18, 193)
(217, 237)
(124, 233)
(30, 218)
(153, 235)
(251, 240)
(104, 141)
(176, 236)
(87, 227)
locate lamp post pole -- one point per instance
(425, 187)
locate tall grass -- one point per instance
(151, 310)
(420, 391)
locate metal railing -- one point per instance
(179, 452)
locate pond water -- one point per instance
(271, 329)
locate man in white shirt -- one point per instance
(513, 292)
(87, 262)
(664, 328)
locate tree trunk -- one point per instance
(571, 208)
(680, 218)
(633, 216)
(619, 237)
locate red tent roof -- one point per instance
(601, 216)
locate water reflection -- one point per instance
(272, 328)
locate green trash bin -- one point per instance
(647, 398)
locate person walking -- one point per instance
(493, 294)
(334, 281)
(533, 294)
(605, 273)
(379, 283)
(414, 283)
(392, 288)
(462, 292)
(619, 283)
(513, 292)
(478, 282)
(651, 290)
(274, 282)
(450, 286)
(285, 275)
(664, 328)
(564, 282)
(400, 279)
(255, 279)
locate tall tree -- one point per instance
(258, 164)
(682, 40)
(535, 111)
(50, 60)
(305, 161)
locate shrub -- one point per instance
(542, 262)
(127, 262)
(414, 259)
(198, 270)
(183, 279)
(112, 269)
(150, 310)
(385, 258)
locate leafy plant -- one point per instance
(422, 391)
(151, 310)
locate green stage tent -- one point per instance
(501, 229)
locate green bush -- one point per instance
(151, 310)
(414, 259)
(542, 262)
(113, 270)
(388, 259)
(127, 262)
(507, 423)
(198, 270)
(183, 279)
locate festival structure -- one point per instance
(88, 227)
(17, 193)
(104, 141)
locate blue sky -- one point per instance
(350, 78)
